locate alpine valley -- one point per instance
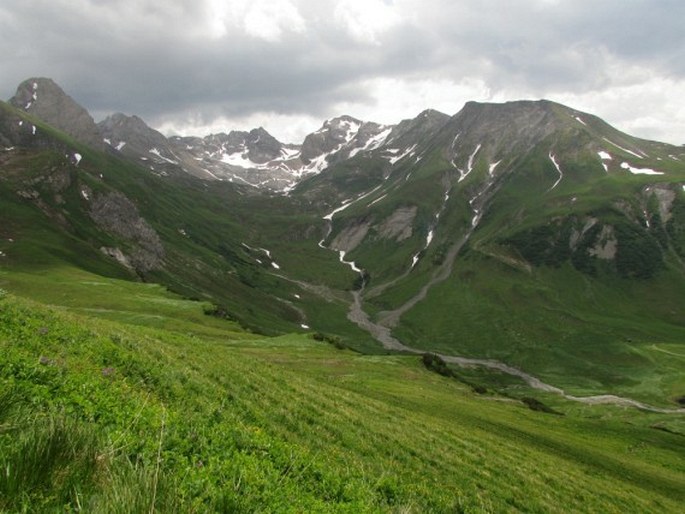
(482, 312)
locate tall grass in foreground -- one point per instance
(97, 416)
(51, 461)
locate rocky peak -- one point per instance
(262, 146)
(520, 123)
(130, 134)
(42, 98)
(411, 131)
(332, 136)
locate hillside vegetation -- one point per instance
(116, 414)
(175, 344)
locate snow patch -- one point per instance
(410, 152)
(239, 160)
(316, 165)
(351, 264)
(84, 194)
(348, 202)
(212, 174)
(377, 200)
(624, 149)
(306, 327)
(289, 153)
(373, 142)
(296, 296)
(491, 168)
(556, 165)
(469, 164)
(120, 145)
(27, 106)
(639, 171)
(454, 141)
(429, 237)
(345, 205)
(605, 157)
(155, 151)
(33, 130)
(414, 260)
(77, 158)
(580, 120)
(274, 265)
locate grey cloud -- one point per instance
(559, 44)
(150, 58)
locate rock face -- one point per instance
(131, 135)
(398, 225)
(334, 134)
(350, 237)
(42, 98)
(116, 214)
(261, 146)
(425, 125)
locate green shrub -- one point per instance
(436, 363)
(638, 254)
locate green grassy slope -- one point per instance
(520, 292)
(101, 413)
(46, 223)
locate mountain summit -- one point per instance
(44, 99)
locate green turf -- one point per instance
(111, 412)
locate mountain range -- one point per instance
(458, 313)
(527, 232)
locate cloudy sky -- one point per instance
(202, 66)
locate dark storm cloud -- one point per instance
(220, 58)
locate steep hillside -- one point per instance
(67, 203)
(475, 313)
(189, 418)
(477, 241)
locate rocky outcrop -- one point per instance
(117, 255)
(398, 225)
(44, 99)
(606, 245)
(116, 214)
(350, 237)
(665, 196)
